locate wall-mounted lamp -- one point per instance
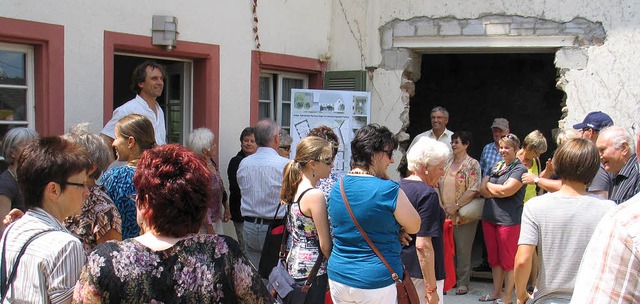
(164, 31)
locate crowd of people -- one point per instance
(83, 226)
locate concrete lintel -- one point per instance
(461, 42)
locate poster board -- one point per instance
(343, 111)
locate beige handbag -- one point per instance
(471, 211)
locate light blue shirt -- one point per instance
(260, 180)
(489, 157)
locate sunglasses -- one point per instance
(389, 152)
(509, 136)
(286, 148)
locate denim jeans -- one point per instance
(254, 235)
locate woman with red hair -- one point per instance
(171, 262)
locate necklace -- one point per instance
(360, 172)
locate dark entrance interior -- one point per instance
(475, 88)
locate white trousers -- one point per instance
(341, 293)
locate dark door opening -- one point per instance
(476, 88)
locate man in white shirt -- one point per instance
(148, 83)
(439, 131)
(260, 180)
(52, 174)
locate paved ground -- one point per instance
(476, 290)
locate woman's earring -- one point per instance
(313, 173)
(426, 172)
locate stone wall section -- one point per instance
(574, 58)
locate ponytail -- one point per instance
(290, 180)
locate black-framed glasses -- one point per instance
(81, 185)
(388, 152)
(286, 148)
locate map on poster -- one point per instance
(343, 111)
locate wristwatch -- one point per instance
(536, 180)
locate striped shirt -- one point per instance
(610, 268)
(51, 264)
(626, 183)
(260, 180)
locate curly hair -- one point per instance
(140, 74)
(177, 186)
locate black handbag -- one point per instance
(269, 254)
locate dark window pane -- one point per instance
(12, 67)
(13, 104)
(265, 89)
(264, 110)
(288, 84)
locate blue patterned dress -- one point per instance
(118, 184)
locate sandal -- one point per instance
(499, 301)
(487, 298)
(462, 290)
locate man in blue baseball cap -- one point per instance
(590, 129)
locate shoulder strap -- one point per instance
(394, 275)
(6, 282)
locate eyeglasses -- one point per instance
(133, 197)
(286, 148)
(83, 185)
(326, 161)
(389, 152)
(585, 129)
(509, 136)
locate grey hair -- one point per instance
(285, 138)
(200, 139)
(13, 138)
(426, 151)
(440, 109)
(619, 135)
(94, 146)
(264, 132)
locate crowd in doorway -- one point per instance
(83, 224)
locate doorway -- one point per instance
(476, 88)
(176, 99)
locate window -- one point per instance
(16, 87)
(275, 96)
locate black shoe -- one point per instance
(482, 268)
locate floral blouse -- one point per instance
(118, 184)
(468, 177)
(99, 215)
(199, 269)
(304, 243)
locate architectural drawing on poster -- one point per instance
(343, 111)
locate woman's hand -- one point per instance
(432, 298)
(528, 178)
(227, 213)
(404, 237)
(12, 216)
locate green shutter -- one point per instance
(345, 80)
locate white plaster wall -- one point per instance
(299, 28)
(608, 82)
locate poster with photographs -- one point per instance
(343, 111)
